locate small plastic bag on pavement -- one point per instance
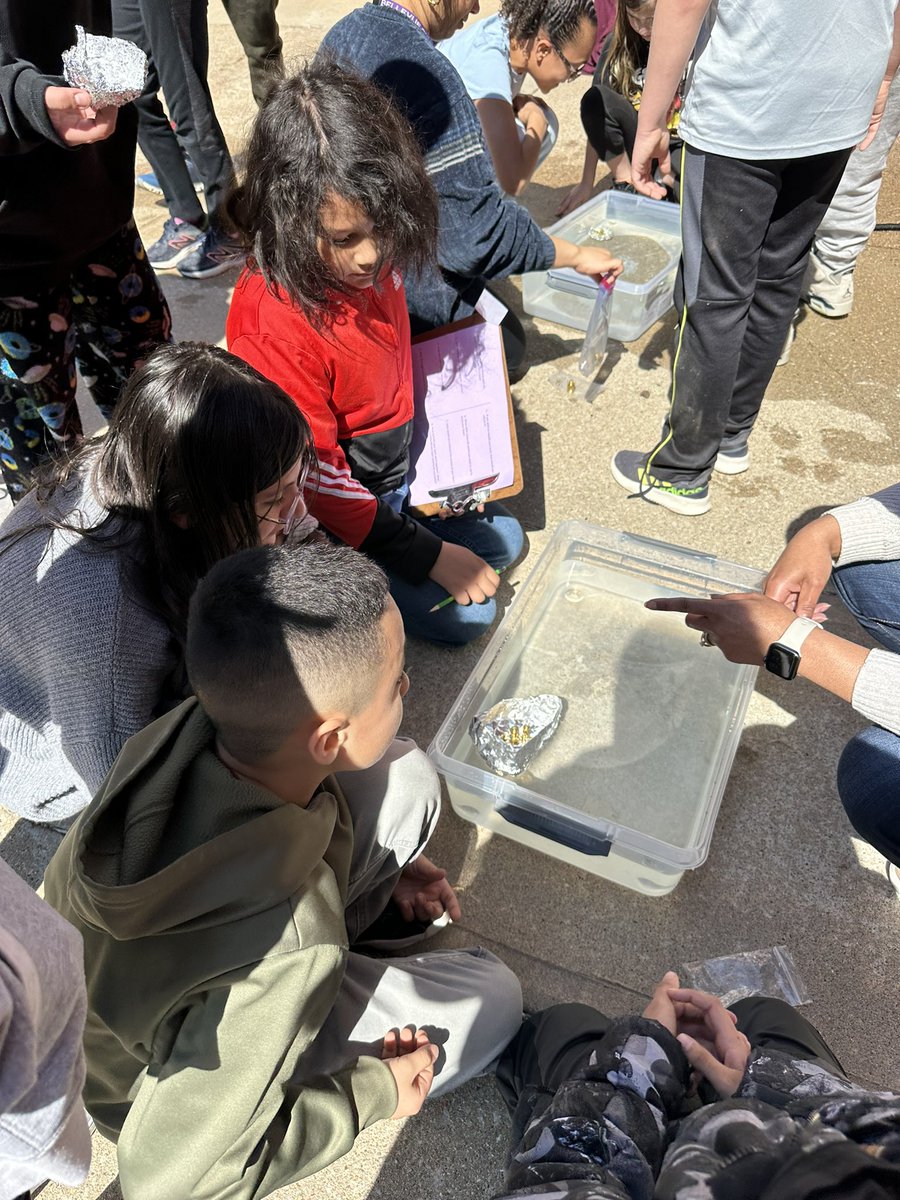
(733, 977)
(593, 351)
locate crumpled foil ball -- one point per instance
(510, 733)
(112, 70)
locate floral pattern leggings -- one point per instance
(106, 317)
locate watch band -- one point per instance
(797, 633)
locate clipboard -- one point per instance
(464, 447)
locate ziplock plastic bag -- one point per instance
(733, 977)
(593, 351)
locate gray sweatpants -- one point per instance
(850, 219)
(468, 1000)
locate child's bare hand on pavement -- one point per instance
(422, 892)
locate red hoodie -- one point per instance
(352, 380)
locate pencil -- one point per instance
(452, 599)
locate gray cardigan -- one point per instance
(82, 661)
(870, 532)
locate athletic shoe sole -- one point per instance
(685, 506)
(143, 181)
(175, 259)
(732, 464)
(209, 272)
(825, 309)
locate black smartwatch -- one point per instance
(783, 657)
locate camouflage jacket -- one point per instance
(618, 1131)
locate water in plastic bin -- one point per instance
(640, 738)
(644, 254)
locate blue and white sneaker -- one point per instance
(629, 470)
(149, 182)
(217, 253)
(178, 240)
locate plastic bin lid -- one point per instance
(652, 720)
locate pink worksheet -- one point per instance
(461, 431)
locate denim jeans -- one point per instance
(868, 774)
(494, 535)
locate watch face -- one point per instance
(782, 661)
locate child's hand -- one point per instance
(580, 194)
(410, 1057)
(422, 892)
(719, 1053)
(75, 119)
(468, 578)
(597, 262)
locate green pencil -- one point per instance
(452, 599)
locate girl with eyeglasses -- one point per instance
(203, 457)
(609, 110)
(547, 41)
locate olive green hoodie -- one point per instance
(214, 940)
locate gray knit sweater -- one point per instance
(82, 662)
(870, 532)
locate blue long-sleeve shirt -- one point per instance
(483, 233)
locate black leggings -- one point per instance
(610, 122)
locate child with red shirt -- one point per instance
(335, 200)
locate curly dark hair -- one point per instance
(326, 130)
(558, 19)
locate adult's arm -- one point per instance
(744, 625)
(676, 24)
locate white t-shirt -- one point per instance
(786, 78)
(481, 56)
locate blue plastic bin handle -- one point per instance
(565, 835)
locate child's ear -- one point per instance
(327, 740)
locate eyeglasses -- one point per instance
(289, 520)
(574, 71)
(291, 517)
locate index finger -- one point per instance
(681, 604)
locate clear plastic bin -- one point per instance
(630, 784)
(567, 297)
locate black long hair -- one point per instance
(325, 131)
(560, 20)
(195, 436)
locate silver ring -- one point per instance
(706, 639)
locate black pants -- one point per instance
(551, 1045)
(610, 123)
(747, 226)
(254, 23)
(175, 38)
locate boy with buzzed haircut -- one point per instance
(234, 1042)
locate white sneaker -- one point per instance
(893, 874)
(788, 342)
(828, 293)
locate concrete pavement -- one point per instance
(785, 866)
